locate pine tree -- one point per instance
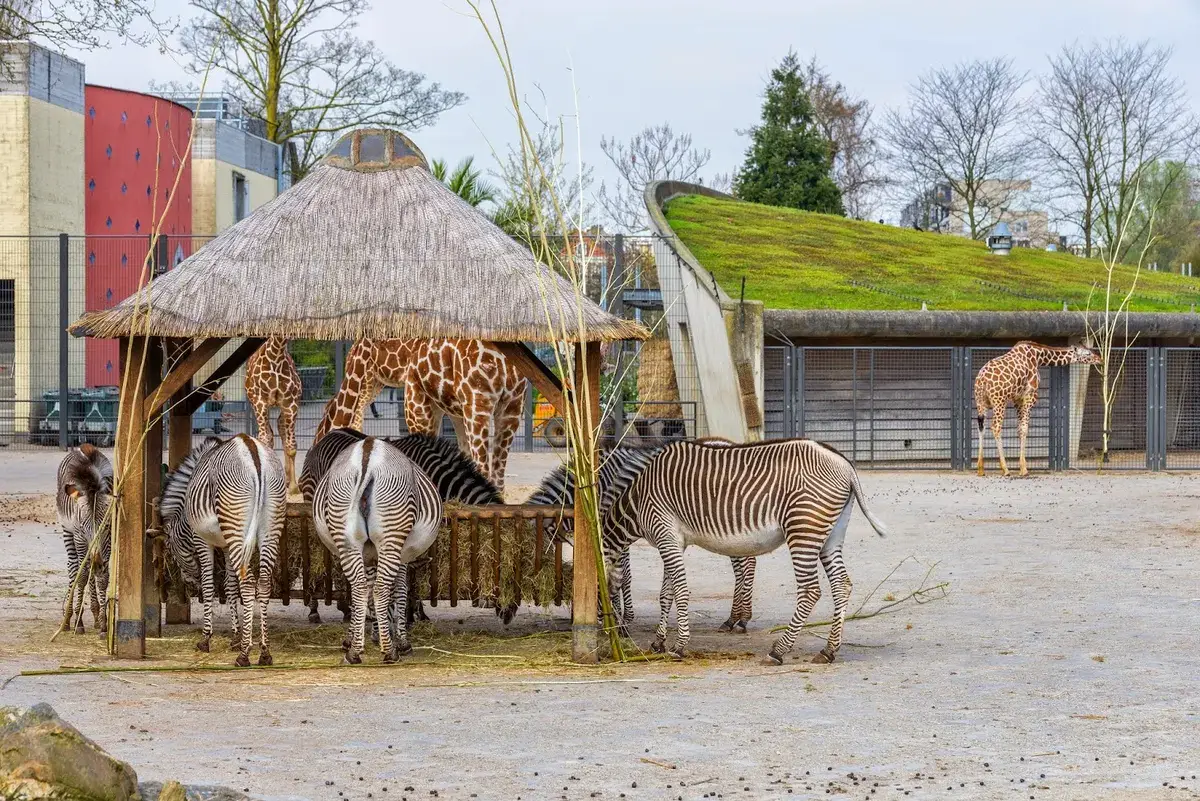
(789, 161)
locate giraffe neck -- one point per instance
(1052, 357)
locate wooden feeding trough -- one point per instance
(368, 245)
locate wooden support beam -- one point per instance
(585, 634)
(537, 372)
(180, 374)
(129, 530)
(219, 376)
(178, 604)
(155, 550)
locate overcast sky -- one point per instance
(701, 65)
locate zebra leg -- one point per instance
(205, 556)
(626, 597)
(666, 596)
(73, 563)
(233, 598)
(356, 575)
(391, 579)
(802, 539)
(672, 556)
(839, 585)
(267, 555)
(743, 591)
(85, 588)
(100, 587)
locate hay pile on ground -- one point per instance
(656, 380)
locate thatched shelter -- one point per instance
(368, 245)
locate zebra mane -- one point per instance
(455, 474)
(322, 455)
(618, 468)
(175, 487)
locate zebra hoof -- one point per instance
(79, 629)
(265, 659)
(404, 649)
(314, 617)
(204, 646)
(774, 659)
(243, 660)
(677, 653)
(824, 658)
(506, 614)
(658, 647)
(352, 659)
(741, 626)
(390, 656)
(346, 644)
(727, 625)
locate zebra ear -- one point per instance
(71, 490)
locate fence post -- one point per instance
(956, 409)
(64, 339)
(798, 362)
(1152, 407)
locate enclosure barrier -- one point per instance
(914, 407)
(498, 555)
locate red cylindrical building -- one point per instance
(137, 179)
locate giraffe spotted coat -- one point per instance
(272, 380)
(1013, 379)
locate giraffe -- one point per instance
(272, 380)
(466, 378)
(1013, 378)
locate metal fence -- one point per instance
(914, 407)
(47, 282)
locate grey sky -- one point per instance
(701, 65)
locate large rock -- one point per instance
(174, 791)
(43, 756)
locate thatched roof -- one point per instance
(369, 244)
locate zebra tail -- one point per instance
(250, 536)
(875, 522)
(359, 505)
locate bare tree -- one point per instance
(1105, 113)
(962, 129)
(846, 122)
(82, 24)
(298, 65)
(655, 153)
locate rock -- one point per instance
(43, 756)
(156, 791)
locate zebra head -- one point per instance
(174, 516)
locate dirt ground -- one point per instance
(1061, 664)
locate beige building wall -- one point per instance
(41, 195)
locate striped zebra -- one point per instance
(742, 500)
(83, 498)
(228, 495)
(373, 497)
(618, 468)
(455, 475)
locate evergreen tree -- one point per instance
(789, 160)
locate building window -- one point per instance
(241, 197)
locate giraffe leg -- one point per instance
(287, 432)
(979, 460)
(477, 419)
(508, 420)
(1023, 411)
(262, 418)
(997, 429)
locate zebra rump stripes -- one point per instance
(83, 499)
(742, 500)
(373, 495)
(229, 495)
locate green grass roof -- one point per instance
(800, 260)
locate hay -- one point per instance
(476, 560)
(745, 374)
(656, 380)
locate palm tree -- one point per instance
(465, 181)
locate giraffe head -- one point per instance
(1083, 355)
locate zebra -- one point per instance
(742, 500)
(374, 495)
(455, 475)
(83, 499)
(618, 468)
(228, 495)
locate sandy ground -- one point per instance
(1061, 665)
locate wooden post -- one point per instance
(179, 605)
(585, 640)
(129, 626)
(155, 550)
